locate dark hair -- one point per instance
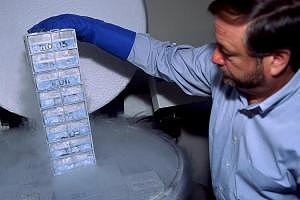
(273, 24)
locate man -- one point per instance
(252, 75)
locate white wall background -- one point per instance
(181, 21)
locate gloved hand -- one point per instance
(111, 38)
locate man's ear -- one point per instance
(278, 61)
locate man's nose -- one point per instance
(217, 57)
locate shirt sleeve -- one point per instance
(190, 68)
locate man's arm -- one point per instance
(190, 68)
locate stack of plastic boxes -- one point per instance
(54, 59)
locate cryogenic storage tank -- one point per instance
(133, 162)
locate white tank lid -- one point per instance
(104, 76)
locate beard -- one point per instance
(248, 80)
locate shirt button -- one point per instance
(227, 164)
(221, 188)
(235, 140)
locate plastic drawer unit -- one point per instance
(54, 59)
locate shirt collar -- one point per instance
(268, 104)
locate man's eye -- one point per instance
(227, 55)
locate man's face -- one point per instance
(239, 69)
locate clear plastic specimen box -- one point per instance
(54, 59)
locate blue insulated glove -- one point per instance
(111, 38)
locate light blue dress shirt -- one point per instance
(254, 149)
